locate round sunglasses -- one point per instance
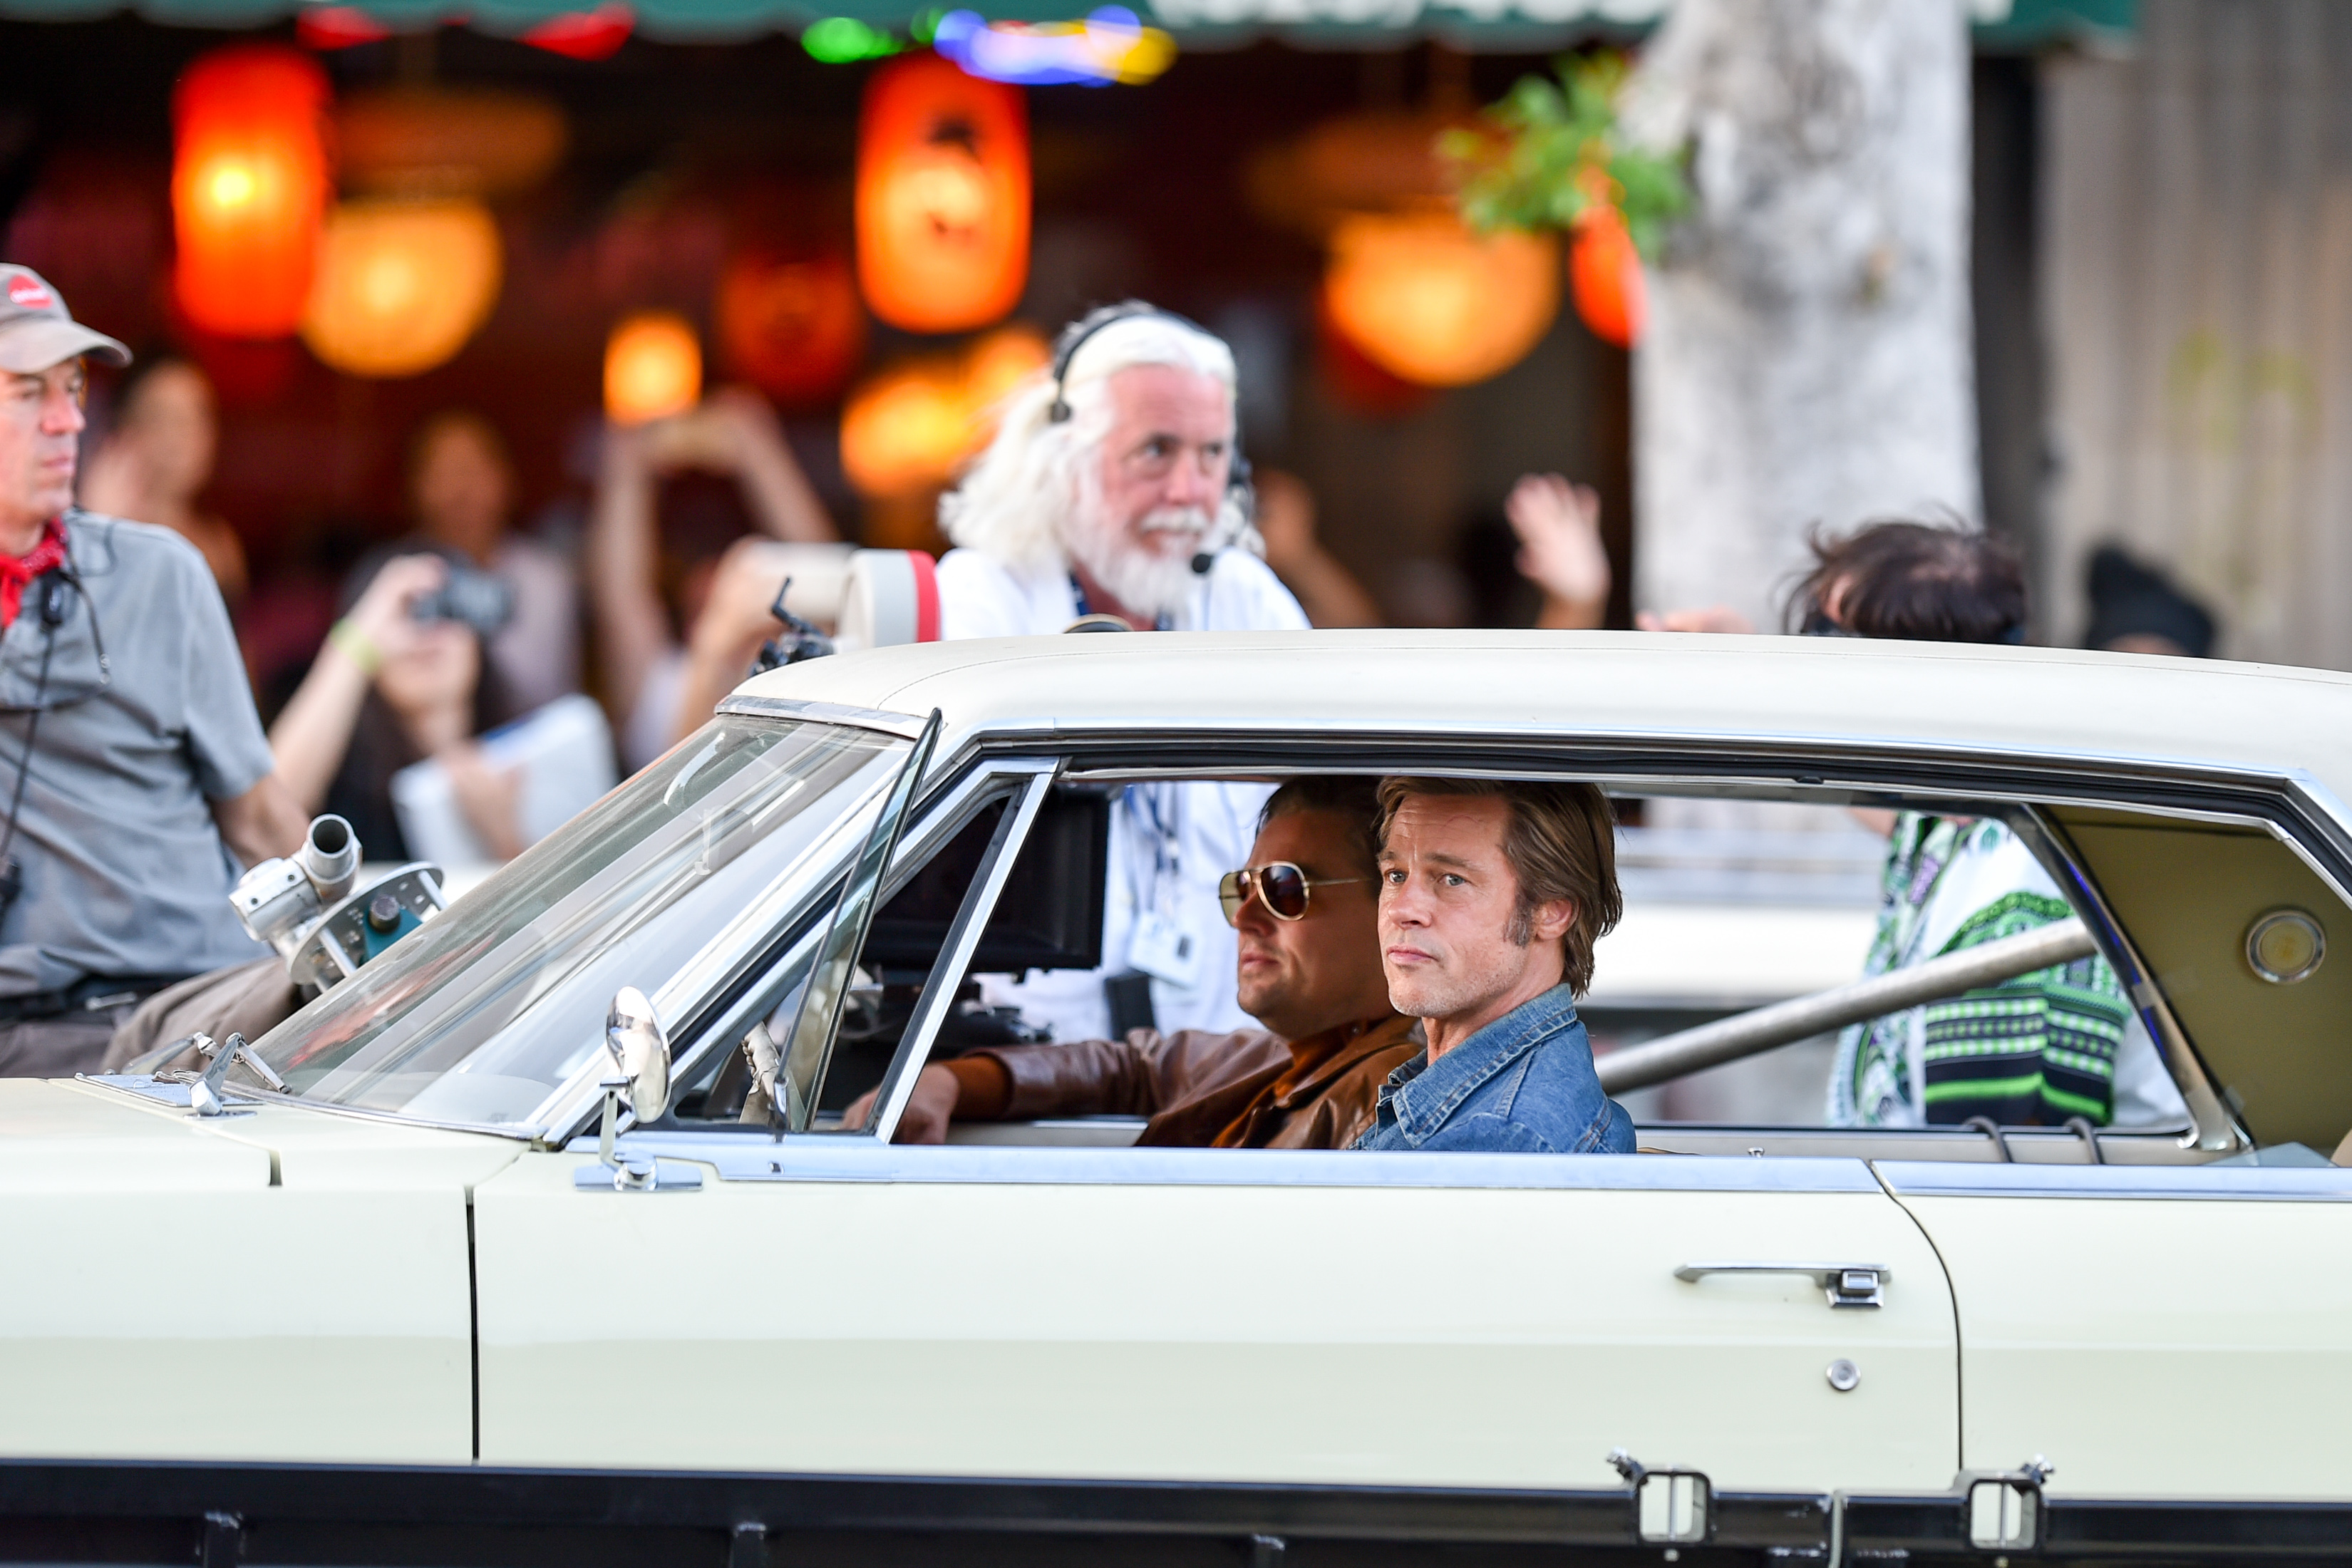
(1279, 885)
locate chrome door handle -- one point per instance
(1846, 1284)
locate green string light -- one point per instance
(839, 40)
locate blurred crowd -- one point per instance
(469, 624)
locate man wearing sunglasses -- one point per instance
(1302, 911)
(133, 771)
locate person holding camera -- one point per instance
(134, 777)
(403, 677)
(461, 495)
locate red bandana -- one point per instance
(16, 571)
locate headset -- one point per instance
(1073, 338)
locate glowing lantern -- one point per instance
(1604, 273)
(653, 368)
(584, 35)
(400, 285)
(905, 431)
(792, 329)
(1428, 300)
(248, 184)
(943, 196)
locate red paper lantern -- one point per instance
(792, 329)
(943, 196)
(248, 186)
(1604, 273)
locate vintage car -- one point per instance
(508, 1248)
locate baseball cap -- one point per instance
(36, 331)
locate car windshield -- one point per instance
(498, 1002)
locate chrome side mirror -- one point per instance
(640, 1076)
(640, 1053)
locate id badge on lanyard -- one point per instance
(1159, 946)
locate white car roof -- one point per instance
(2017, 700)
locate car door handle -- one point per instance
(1846, 1284)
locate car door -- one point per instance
(1409, 1320)
(818, 1302)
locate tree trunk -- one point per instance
(1807, 357)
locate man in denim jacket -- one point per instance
(1492, 896)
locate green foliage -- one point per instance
(1549, 150)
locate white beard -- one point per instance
(1143, 581)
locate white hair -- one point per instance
(1020, 499)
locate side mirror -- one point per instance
(640, 1077)
(640, 1053)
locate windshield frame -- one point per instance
(783, 902)
(695, 1001)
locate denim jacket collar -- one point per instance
(1421, 1093)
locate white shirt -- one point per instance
(1170, 844)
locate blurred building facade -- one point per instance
(2196, 217)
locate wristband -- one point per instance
(356, 646)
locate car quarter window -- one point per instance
(2236, 929)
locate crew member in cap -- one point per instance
(1115, 494)
(134, 775)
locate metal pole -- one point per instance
(1785, 1022)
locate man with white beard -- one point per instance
(1115, 488)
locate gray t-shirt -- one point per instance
(125, 872)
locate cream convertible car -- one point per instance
(375, 1291)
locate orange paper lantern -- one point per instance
(248, 185)
(1428, 300)
(792, 329)
(400, 285)
(943, 196)
(653, 368)
(1604, 274)
(906, 430)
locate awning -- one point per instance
(1484, 26)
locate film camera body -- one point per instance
(481, 600)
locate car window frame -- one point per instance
(1811, 771)
(716, 1003)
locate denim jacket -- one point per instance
(1523, 1084)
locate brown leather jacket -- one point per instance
(1246, 1089)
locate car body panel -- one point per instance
(2154, 1333)
(281, 1284)
(1394, 1334)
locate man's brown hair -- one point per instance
(1562, 843)
(1353, 796)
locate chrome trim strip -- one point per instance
(947, 971)
(2272, 1183)
(820, 1158)
(906, 726)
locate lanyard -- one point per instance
(1152, 825)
